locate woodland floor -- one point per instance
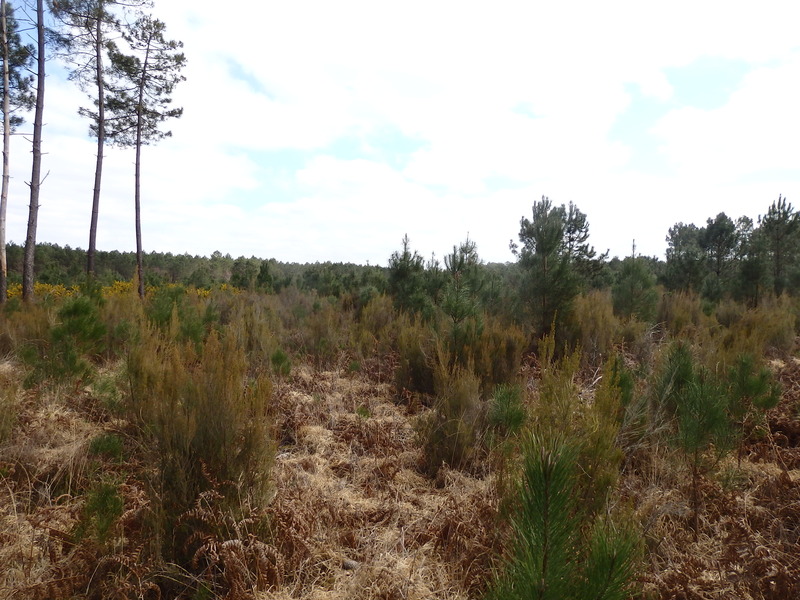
(354, 518)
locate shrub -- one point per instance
(451, 433)
(594, 326)
(107, 445)
(205, 419)
(497, 355)
(77, 335)
(768, 327)
(751, 392)
(104, 506)
(681, 314)
(9, 388)
(281, 363)
(415, 348)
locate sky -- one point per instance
(326, 131)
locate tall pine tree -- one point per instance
(141, 100)
(16, 93)
(87, 28)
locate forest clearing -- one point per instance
(243, 445)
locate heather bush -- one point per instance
(768, 327)
(376, 328)
(252, 320)
(9, 388)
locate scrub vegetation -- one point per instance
(567, 426)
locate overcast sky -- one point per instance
(324, 130)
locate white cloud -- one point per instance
(514, 92)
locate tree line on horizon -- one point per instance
(118, 54)
(737, 259)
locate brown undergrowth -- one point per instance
(748, 543)
(352, 516)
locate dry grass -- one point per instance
(351, 515)
(353, 518)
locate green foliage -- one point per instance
(685, 259)
(171, 306)
(407, 280)
(780, 227)
(107, 445)
(77, 337)
(751, 386)
(751, 391)
(245, 273)
(20, 66)
(281, 363)
(104, 506)
(551, 283)
(612, 562)
(557, 552)
(140, 84)
(634, 291)
(692, 408)
(506, 414)
(701, 407)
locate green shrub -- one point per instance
(281, 363)
(77, 337)
(751, 391)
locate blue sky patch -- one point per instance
(707, 83)
(632, 128)
(237, 71)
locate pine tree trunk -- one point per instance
(137, 193)
(6, 139)
(35, 183)
(101, 140)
